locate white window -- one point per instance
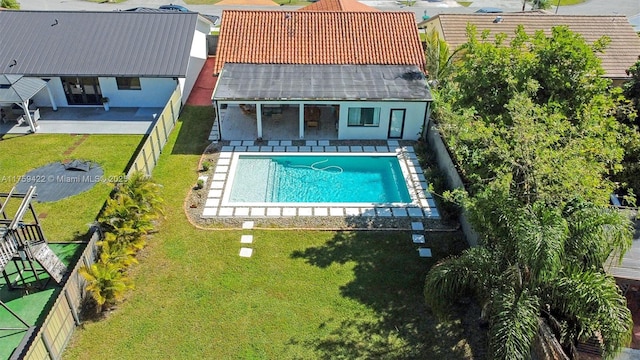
(364, 117)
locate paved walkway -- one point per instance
(203, 88)
(422, 205)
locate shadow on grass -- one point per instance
(193, 138)
(389, 279)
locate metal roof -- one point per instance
(321, 82)
(83, 43)
(17, 89)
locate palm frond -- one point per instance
(513, 325)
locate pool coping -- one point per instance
(422, 206)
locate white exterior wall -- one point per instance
(413, 120)
(155, 92)
(197, 57)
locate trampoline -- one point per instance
(59, 180)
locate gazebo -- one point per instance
(17, 89)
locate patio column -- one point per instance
(259, 119)
(53, 102)
(301, 120)
(25, 108)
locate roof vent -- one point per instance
(497, 20)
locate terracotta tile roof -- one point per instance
(247, 2)
(620, 54)
(309, 37)
(338, 5)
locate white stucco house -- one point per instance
(130, 59)
(336, 69)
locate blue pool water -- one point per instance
(319, 179)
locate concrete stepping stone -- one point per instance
(246, 239)
(424, 252)
(246, 252)
(247, 225)
(418, 238)
(417, 226)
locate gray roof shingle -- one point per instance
(83, 43)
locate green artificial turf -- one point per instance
(302, 295)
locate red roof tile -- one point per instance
(338, 5)
(309, 37)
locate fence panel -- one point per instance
(149, 153)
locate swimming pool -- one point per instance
(316, 178)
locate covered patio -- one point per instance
(89, 120)
(16, 92)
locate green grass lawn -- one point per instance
(66, 219)
(568, 2)
(303, 294)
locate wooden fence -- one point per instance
(149, 152)
(53, 336)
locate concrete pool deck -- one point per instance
(422, 205)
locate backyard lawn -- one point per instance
(66, 219)
(302, 295)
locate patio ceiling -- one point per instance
(19, 89)
(321, 82)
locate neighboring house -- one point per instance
(135, 59)
(354, 74)
(620, 54)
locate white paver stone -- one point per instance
(417, 226)
(285, 143)
(227, 148)
(424, 252)
(311, 143)
(369, 148)
(330, 149)
(235, 143)
(356, 149)
(432, 203)
(317, 148)
(320, 211)
(219, 176)
(225, 212)
(242, 211)
(273, 211)
(217, 184)
(305, 212)
(343, 148)
(305, 148)
(289, 211)
(336, 211)
(253, 148)
(225, 161)
(212, 202)
(259, 211)
(369, 212)
(246, 225)
(247, 143)
(382, 149)
(246, 252)
(241, 148)
(209, 212)
(292, 149)
(418, 238)
(399, 212)
(246, 239)
(392, 143)
(352, 212)
(273, 143)
(383, 212)
(323, 142)
(222, 169)
(215, 193)
(409, 149)
(415, 212)
(278, 149)
(266, 148)
(225, 155)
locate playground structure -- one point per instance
(23, 243)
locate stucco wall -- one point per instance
(413, 121)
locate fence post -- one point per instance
(47, 345)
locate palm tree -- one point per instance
(143, 191)
(541, 274)
(439, 58)
(106, 282)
